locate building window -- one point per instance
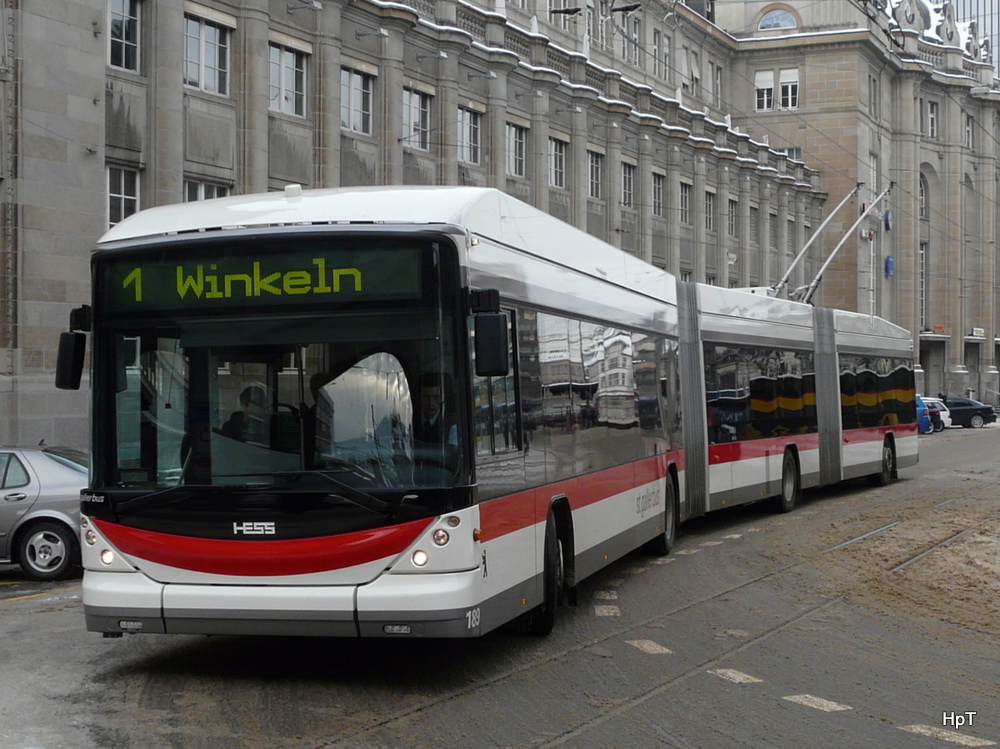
(124, 36)
(685, 275)
(695, 74)
(123, 194)
(656, 52)
(557, 162)
(468, 135)
(793, 152)
(754, 225)
(733, 219)
(628, 185)
(874, 99)
(789, 80)
(602, 20)
(790, 237)
(659, 182)
(195, 190)
(764, 90)
(932, 119)
(709, 211)
(517, 138)
(356, 101)
(772, 231)
(287, 90)
(596, 171)
(922, 199)
(685, 203)
(970, 132)
(717, 93)
(777, 19)
(710, 280)
(667, 69)
(206, 56)
(636, 40)
(416, 119)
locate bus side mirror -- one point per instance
(69, 365)
(492, 344)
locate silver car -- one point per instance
(40, 509)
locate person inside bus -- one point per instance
(435, 433)
(247, 424)
(317, 418)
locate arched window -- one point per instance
(777, 19)
(924, 212)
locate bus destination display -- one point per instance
(270, 280)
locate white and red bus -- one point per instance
(263, 370)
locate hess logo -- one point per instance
(253, 529)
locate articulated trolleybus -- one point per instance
(428, 412)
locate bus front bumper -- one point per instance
(433, 605)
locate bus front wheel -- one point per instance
(541, 620)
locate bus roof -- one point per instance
(485, 212)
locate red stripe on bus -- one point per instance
(263, 558)
(503, 515)
(729, 452)
(877, 434)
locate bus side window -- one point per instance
(495, 404)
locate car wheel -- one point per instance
(48, 551)
(939, 426)
(976, 421)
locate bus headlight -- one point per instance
(90, 537)
(441, 537)
(419, 558)
(107, 557)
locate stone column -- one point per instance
(745, 254)
(254, 78)
(723, 240)
(328, 124)
(698, 218)
(644, 189)
(672, 204)
(166, 110)
(764, 216)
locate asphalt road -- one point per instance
(868, 617)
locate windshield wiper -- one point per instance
(176, 493)
(344, 490)
(136, 502)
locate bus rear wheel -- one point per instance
(541, 620)
(888, 470)
(791, 484)
(663, 543)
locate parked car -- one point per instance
(40, 509)
(924, 425)
(940, 415)
(969, 413)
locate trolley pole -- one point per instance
(778, 287)
(811, 289)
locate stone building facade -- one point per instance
(639, 124)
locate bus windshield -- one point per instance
(252, 397)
